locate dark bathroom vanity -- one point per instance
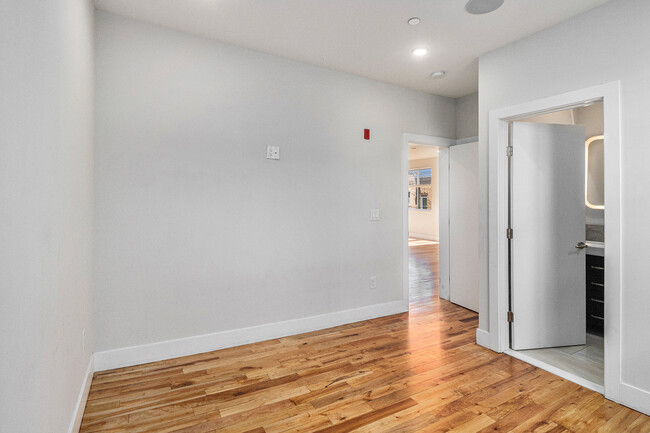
(595, 294)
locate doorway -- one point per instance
(439, 146)
(455, 242)
(556, 264)
(423, 222)
(509, 243)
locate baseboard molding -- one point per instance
(143, 354)
(636, 398)
(483, 338)
(556, 371)
(425, 237)
(75, 423)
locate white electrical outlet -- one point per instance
(373, 282)
(272, 152)
(374, 214)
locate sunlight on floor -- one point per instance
(413, 242)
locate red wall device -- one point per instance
(366, 134)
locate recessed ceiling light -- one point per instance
(420, 51)
(438, 74)
(479, 7)
(414, 21)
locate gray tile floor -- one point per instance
(586, 361)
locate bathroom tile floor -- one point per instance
(586, 361)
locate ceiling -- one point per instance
(370, 38)
(418, 151)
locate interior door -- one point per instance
(548, 221)
(463, 225)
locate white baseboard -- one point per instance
(425, 237)
(556, 371)
(159, 351)
(75, 423)
(636, 398)
(483, 338)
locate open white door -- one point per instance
(548, 222)
(463, 225)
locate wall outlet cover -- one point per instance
(272, 152)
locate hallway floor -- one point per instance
(416, 371)
(423, 271)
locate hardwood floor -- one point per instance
(423, 272)
(418, 371)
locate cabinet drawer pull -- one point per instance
(598, 300)
(598, 284)
(597, 317)
(600, 268)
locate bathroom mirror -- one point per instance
(595, 172)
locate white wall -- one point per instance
(46, 169)
(467, 116)
(424, 223)
(196, 232)
(606, 44)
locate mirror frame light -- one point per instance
(587, 143)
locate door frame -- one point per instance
(443, 183)
(609, 94)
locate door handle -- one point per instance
(581, 245)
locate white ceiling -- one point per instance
(370, 38)
(418, 151)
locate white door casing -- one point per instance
(442, 144)
(496, 304)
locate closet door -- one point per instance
(463, 225)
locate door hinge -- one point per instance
(511, 316)
(509, 233)
(509, 151)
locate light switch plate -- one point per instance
(272, 152)
(374, 214)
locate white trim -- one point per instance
(636, 398)
(426, 140)
(75, 423)
(498, 291)
(162, 350)
(444, 249)
(556, 371)
(425, 237)
(482, 338)
(467, 140)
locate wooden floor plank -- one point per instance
(415, 372)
